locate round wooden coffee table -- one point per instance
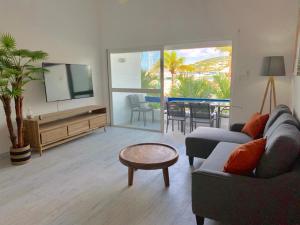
(148, 156)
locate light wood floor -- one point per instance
(83, 183)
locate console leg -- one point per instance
(191, 160)
(200, 220)
(40, 151)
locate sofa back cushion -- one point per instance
(285, 118)
(280, 109)
(282, 149)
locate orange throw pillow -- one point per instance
(245, 158)
(256, 125)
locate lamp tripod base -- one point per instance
(272, 95)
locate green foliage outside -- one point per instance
(222, 88)
(150, 80)
(191, 87)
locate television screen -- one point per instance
(67, 81)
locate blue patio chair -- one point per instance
(201, 112)
(176, 112)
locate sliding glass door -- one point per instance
(136, 88)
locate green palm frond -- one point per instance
(5, 91)
(24, 53)
(16, 65)
(33, 56)
(13, 71)
(2, 52)
(5, 75)
(36, 70)
(3, 82)
(15, 92)
(5, 62)
(7, 41)
(38, 55)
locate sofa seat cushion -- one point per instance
(202, 141)
(219, 156)
(282, 150)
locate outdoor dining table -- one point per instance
(219, 107)
(218, 103)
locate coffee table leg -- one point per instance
(130, 176)
(166, 176)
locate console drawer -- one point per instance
(79, 127)
(54, 135)
(98, 122)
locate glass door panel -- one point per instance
(136, 110)
(136, 93)
(135, 70)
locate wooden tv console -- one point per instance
(48, 130)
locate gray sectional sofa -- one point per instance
(270, 196)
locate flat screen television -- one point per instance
(67, 81)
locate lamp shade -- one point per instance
(273, 66)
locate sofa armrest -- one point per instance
(237, 127)
(246, 200)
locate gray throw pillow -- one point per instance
(282, 149)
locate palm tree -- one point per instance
(173, 63)
(187, 70)
(17, 68)
(6, 96)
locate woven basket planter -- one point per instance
(20, 156)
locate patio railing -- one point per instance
(184, 99)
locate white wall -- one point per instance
(68, 30)
(257, 28)
(126, 70)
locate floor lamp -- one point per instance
(272, 66)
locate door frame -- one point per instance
(137, 90)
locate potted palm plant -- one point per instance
(17, 68)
